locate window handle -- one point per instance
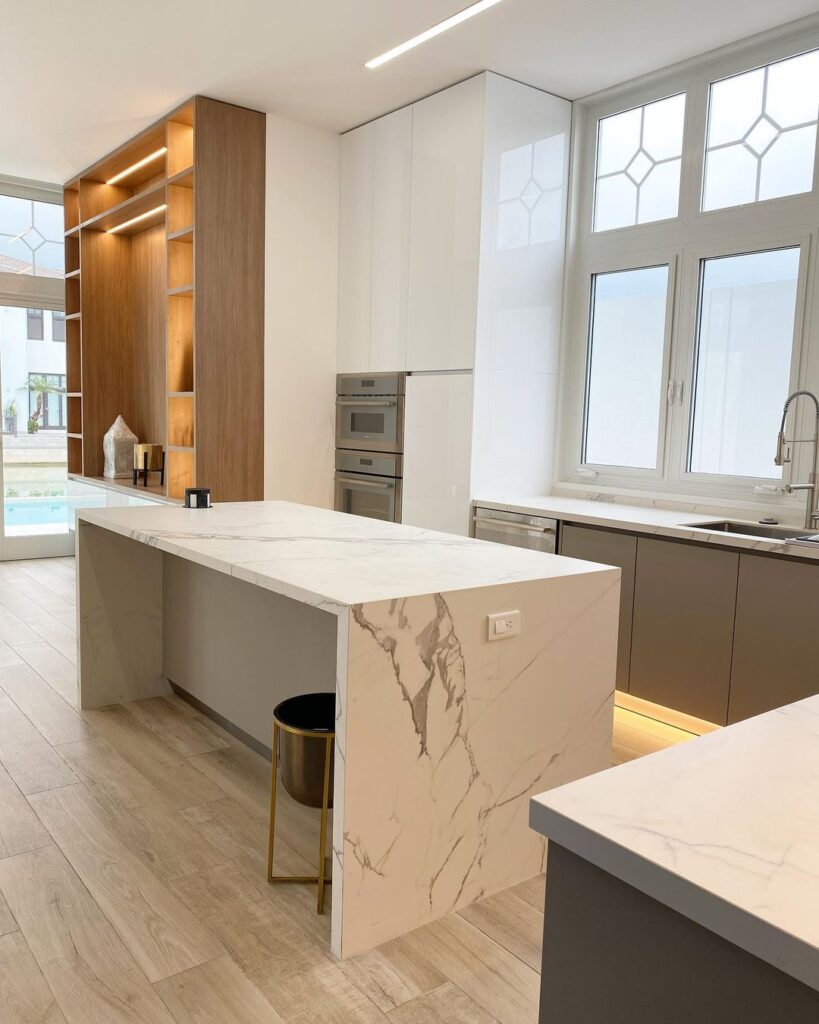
(674, 392)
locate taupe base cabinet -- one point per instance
(775, 650)
(714, 633)
(609, 548)
(682, 637)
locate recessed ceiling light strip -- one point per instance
(149, 159)
(136, 220)
(436, 30)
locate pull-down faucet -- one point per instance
(783, 455)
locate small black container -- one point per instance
(197, 497)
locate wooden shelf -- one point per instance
(74, 415)
(183, 179)
(180, 267)
(147, 325)
(125, 484)
(136, 206)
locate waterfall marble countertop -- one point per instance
(661, 522)
(723, 829)
(329, 559)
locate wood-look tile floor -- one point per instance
(132, 866)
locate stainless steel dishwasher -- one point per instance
(516, 528)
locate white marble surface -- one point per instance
(441, 736)
(662, 522)
(723, 829)
(325, 558)
(447, 736)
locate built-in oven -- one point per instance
(369, 484)
(370, 411)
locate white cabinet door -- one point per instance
(392, 168)
(355, 250)
(437, 452)
(445, 227)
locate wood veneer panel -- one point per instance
(180, 421)
(180, 207)
(107, 340)
(73, 355)
(229, 273)
(181, 472)
(180, 263)
(180, 146)
(180, 343)
(148, 326)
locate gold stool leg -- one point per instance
(328, 755)
(274, 771)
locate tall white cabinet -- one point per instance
(453, 215)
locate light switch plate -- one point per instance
(502, 625)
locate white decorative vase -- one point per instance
(118, 450)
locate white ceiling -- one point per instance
(79, 78)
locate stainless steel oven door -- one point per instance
(376, 497)
(370, 424)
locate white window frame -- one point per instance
(683, 242)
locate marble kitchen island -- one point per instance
(686, 884)
(442, 736)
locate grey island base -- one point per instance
(685, 887)
(442, 735)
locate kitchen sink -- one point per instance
(751, 529)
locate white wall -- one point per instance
(301, 286)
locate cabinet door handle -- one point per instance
(364, 483)
(363, 403)
(525, 527)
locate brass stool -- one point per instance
(303, 741)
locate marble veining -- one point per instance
(327, 559)
(723, 829)
(650, 518)
(441, 736)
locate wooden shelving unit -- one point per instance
(164, 299)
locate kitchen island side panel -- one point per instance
(448, 735)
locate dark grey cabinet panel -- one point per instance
(684, 604)
(618, 549)
(775, 652)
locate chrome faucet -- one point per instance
(783, 455)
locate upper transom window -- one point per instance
(638, 164)
(761, 141)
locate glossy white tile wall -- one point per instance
(525, 180)
(301, 307)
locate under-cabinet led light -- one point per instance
(149, 159)
(436, 30)
(136, 220)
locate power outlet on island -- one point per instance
(502, 625)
